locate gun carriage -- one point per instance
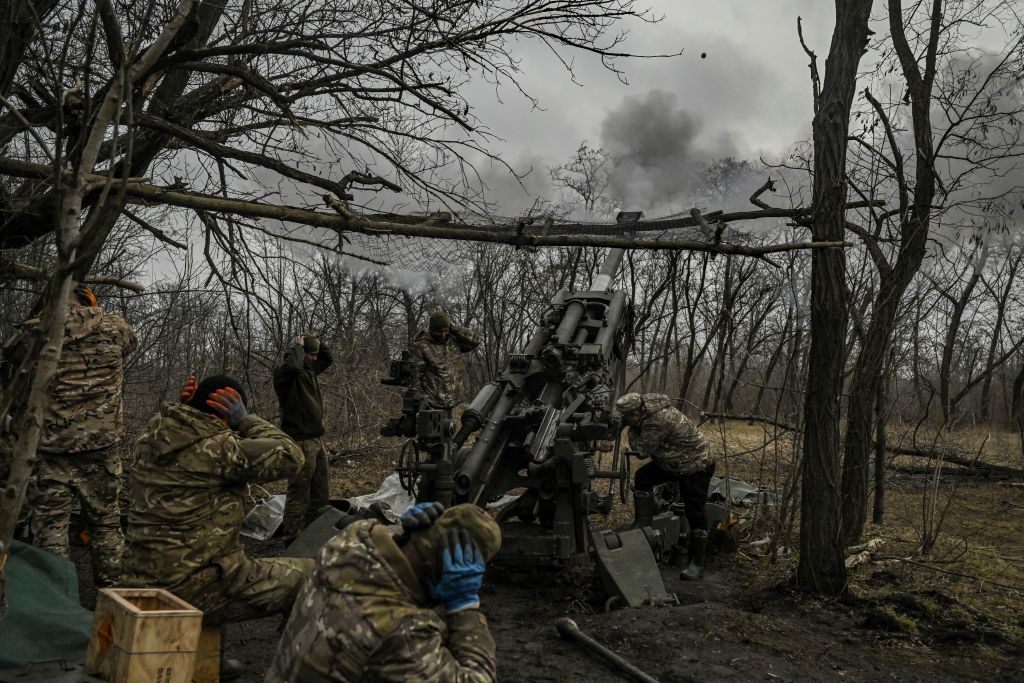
(537, 426)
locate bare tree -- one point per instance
(822, 568)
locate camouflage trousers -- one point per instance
(93, 478)
(237, 588)
(309, 490)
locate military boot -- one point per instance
(643, 508)
(698, 545)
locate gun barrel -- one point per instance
(606, 335)
(473, 417)
(604, 280)
(486, 447)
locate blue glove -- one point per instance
(421, 516)
(462, 573)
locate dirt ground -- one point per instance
(724, 628)
(957, 614)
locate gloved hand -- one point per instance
(421, 516)
(228, 405)
(417, 518)
(189, 390)
(462, 573)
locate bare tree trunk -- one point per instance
(71, 186)
(878, 510)
(772, 362)
(822, 566)
(895, 280)
(949, 345)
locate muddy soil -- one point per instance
(720, 630)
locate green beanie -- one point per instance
(439, 320)
(310, 344)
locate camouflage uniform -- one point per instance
(669, 438)
(678, 451)
(188, 493)
(439, 376)
(363, 616)
(82, 426)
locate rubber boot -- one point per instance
(643, 508)
(698, 546)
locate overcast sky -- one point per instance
(750, 95)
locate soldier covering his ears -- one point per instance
(196, 460)
(437, 352)
(366, 613)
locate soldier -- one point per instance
(196, 460)
(366, 612)
(436, 352)
(82, 426)
(678, 452)
(302, 418)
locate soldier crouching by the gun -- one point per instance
(365, 613)
(436, 352)
(678, 452)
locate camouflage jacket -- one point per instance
(188, 491)
(669, 438)
(86, 411)
(440, 379)
(362, 616)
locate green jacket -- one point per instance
(189, 489)
(298, 393)
(363, 616)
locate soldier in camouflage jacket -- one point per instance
(366, 613)
(82, 426)
(188, 499)
(437, 352)
(678, 452)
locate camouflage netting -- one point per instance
(439, 255)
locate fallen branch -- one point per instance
(951, 457)
(951, 572)
(957, 471)
(747, 418)
(368, 225)
(956, 459)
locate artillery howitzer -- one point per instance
(537, 427)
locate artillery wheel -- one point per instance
(408, 459)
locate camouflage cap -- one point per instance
(310, 344)
(439, 320)
(627, 403)
(482, 528)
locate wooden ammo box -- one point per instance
(143, 635)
